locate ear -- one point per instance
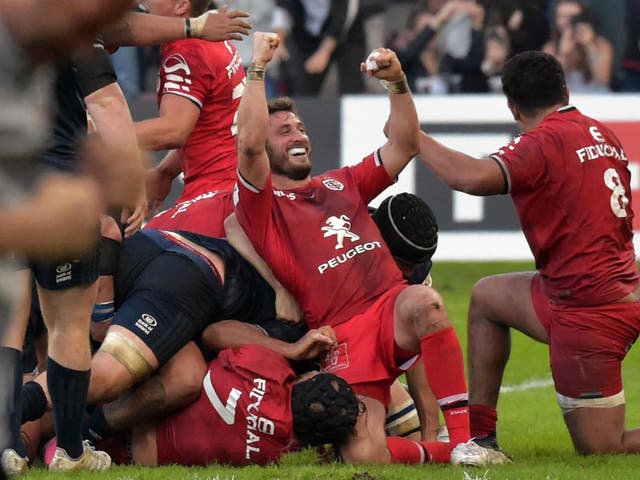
(182, 7)
(517, 116)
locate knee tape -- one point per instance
(568, 404)
(402, 420)
(128, 354)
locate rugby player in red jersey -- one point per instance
(318, 238)
(199, 90)
(569, 179)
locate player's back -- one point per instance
(575, 208)
(243, 415)
(204, 214)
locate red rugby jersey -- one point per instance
(243, 415)
(570, 183)
(321, 242)
(210, 74)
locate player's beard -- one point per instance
(281, 165)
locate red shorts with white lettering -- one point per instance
(366, 355)
(587, 344)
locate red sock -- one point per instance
(404, 450)
(444, 367)
(407, 451)
(483, 420)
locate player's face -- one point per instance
(288, 146)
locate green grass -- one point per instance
(530, 426)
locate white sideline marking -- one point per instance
(529, 385)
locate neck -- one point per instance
(285, 183)
(529, 123)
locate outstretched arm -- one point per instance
(233, 333)
(286, 306)
(461, 171)
(402, 127)
(143, 29)
(253, 116)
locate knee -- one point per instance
(108, 378)
(481, 296)
(190, 383)
(423, 308)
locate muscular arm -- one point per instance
(460, 171)
(144, 29)
(122, 173)
(171, 129)
(286, 306)
(402, 127)
(46, 29)
(232, 333)
(253, 121)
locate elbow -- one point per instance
(175, 139)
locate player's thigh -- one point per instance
(507, 300)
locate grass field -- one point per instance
(531, 429)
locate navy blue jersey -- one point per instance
(75, 80)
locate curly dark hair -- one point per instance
(408, 227)
(325, 410)
(534, 81)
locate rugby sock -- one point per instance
(11, 370)
(68, 389)
(483, 420)
(33, 402)
(96, 428)
(444, 367)
(407, 451)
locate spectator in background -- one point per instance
(525, 22)
(323, 33)
(497, 50)
(462, 47)
(443, 52)
(585, 56)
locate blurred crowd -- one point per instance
(446, 46)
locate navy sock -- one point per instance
(11, 371)
(96, 428)
(33, 402)
(68, 389)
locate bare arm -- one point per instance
(171, 129)
(402, 127)
(160, 178)
(286, 306)
(47, 29)
(122, 174)
(460, 171)
(232, 333)
(144, 29)
(253, 116)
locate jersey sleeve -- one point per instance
(184, 72)
(522, 162)
(253, 210)
(93, 71)
(370, 176)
